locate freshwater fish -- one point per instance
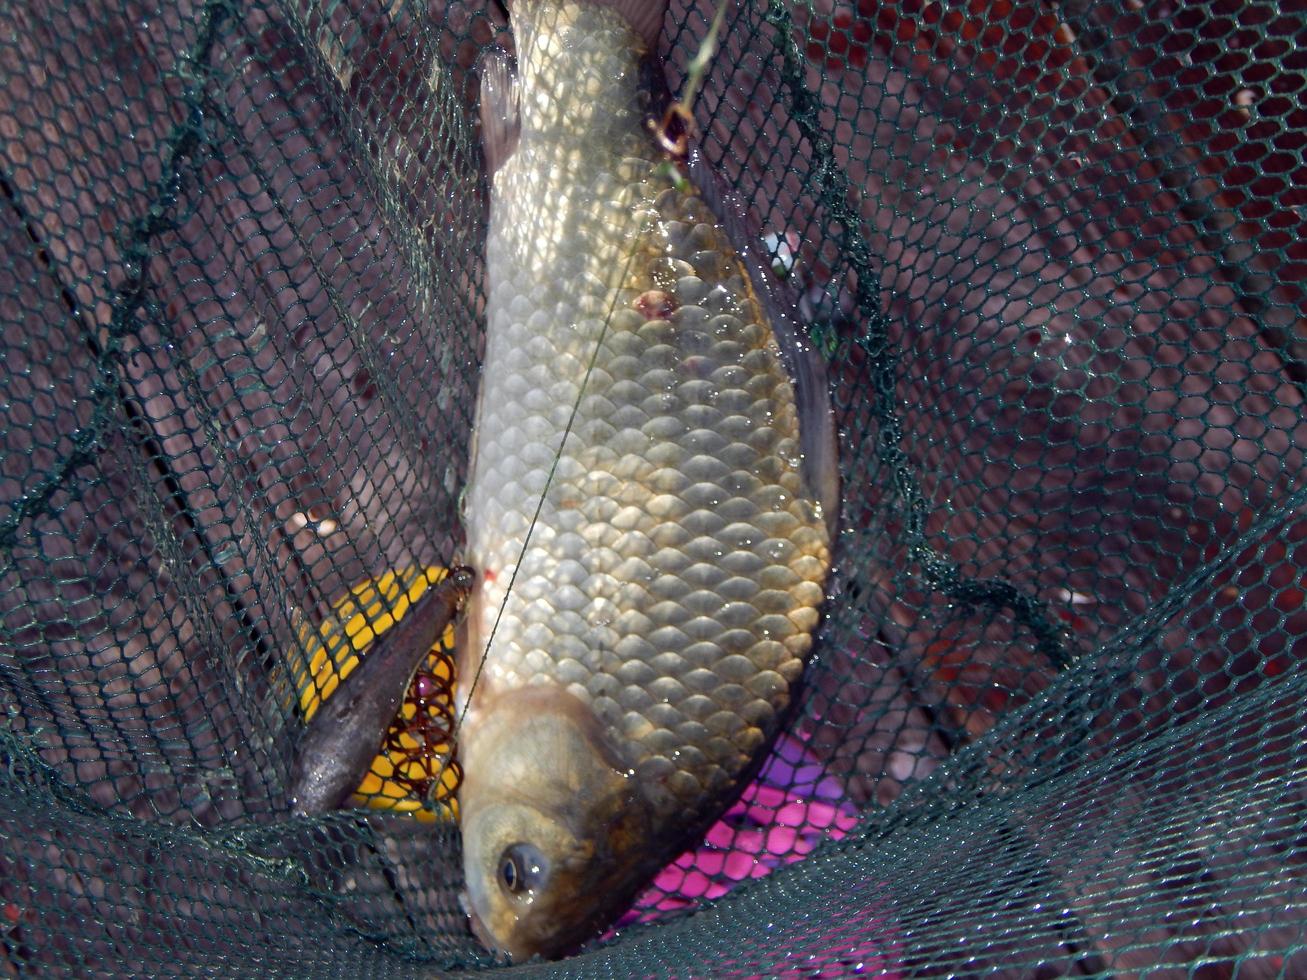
(651, 495)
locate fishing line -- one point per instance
(549, 478)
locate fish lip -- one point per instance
(478, 927)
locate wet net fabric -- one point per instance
(1054, 256)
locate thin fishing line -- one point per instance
(549, 479)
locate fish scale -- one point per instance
(646, 539)
(729, 494)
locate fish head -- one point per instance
(556, 834)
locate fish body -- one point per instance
(651, 535)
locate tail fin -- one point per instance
(645, 16)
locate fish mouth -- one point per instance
(478, 927)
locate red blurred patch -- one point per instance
(844, 42)
(655, 304)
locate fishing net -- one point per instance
(1054, 255)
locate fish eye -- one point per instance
(522, 868)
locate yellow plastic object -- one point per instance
(416, 748)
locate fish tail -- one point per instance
(645, 17)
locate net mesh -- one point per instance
(1054, 255)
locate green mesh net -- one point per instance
(1054, 254)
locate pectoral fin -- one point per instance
(501, 120)
(344, 734)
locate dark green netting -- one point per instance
(1054, 254)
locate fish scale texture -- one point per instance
(636, 503)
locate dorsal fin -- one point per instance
(818, 437)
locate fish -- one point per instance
(651, 499)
